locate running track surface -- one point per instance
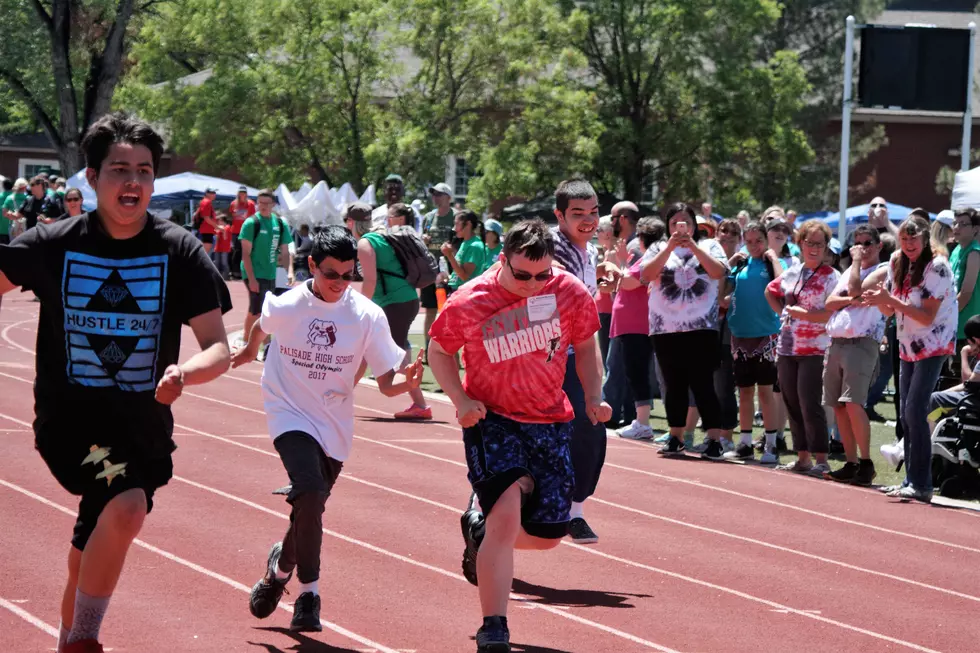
(693, 556)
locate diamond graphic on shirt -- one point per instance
(113, 320)
(114, 294)
(112, 354)
(322, 334)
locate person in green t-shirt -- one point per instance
(265, 241)
(965, 261)
(469, 260)
(11, 205)
(494, 242)
(6, 190)
(385, 283)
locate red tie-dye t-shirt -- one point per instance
(515, 348)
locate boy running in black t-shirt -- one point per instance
(115, 285)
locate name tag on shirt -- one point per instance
(541, 307)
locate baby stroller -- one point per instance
(956, 448)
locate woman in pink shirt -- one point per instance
(630, 327)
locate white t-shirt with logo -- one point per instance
(308, 380)
(855, 321)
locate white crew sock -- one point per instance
(576, 510)
(280, 574)
(309, 587)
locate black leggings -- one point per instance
(637, 355)
(688, 361)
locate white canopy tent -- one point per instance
(966, 190)
(80, 181)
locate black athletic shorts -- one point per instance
(427, 296)
(255, 299)
(500, 451)
(207, 239)
(400, 317)
(754, 370)
(66, 443)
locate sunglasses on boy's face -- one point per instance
(333, 275)
(864, 243)
(524, 275)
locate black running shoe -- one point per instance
(843, 475)
(742, 451)
(674, 447)
(865, 474)
(714, 451)
(473, 527)
(306, 614)
(266, 593)
(493, 636)
(579, 531)
(836, 448)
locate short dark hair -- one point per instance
(39, 179)
(266, 192)
(403, 211)
(650, 231)
(8, 184)
(681, 207)
(120, 128)
(971, 214)
(868, 231)
(972, 327)
(530, 238)
(572, 189)
(334, 241)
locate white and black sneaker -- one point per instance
(674, 447)
(714, 451)
(741, 452)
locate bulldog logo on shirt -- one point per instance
(323, 334)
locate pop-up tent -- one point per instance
(190, 187)
(859, 215)
(966, 190)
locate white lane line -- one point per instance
(455, 510)
(29, 618)
(6, 335)
(360, 639)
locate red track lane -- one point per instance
(378, 595)
(700, 636)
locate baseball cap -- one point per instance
(359, 211)
(494, 226)
(442, 188)
(243, 189)
(835, 246)
(773, 223)
(708, 224)
(210, 189)
(394, 177)
(946, 217)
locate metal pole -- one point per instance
(845, 130)
(968, 113)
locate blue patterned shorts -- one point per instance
(499, 451)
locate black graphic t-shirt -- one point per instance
(111, 317)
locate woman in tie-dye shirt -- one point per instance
(800, 296)
(923, 298)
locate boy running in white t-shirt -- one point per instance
(322, 331)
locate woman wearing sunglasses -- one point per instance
(800, 296)
(923, 299)
(73, 204)
(684, 278)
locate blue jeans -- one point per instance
(616, 389)
(877, 390)
(917, 381)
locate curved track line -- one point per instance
(340, 630)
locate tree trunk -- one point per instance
(59, 31)
(106, 68)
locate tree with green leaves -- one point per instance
(62, 61)
(274, 90)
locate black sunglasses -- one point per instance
(878, 206)
(333, 275)
(522, 275)
(864, 243)
(73, 199)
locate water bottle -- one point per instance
(443, 265)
